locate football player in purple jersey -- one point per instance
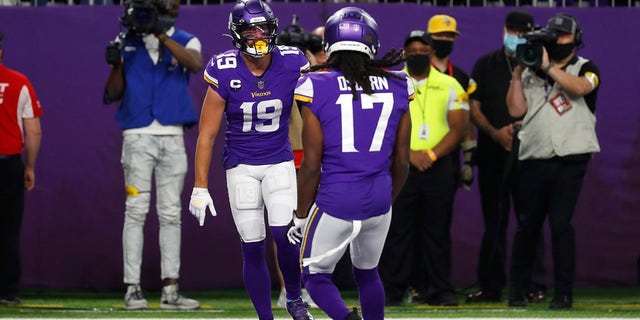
(356, 137)
(252, 86)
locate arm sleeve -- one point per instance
(458, 98)
(476, 77)
(194, 44)
(28, 102)
(590, 71)
(212, 76)
(303, 93)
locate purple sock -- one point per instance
(256, 278)
(326, 295)
(371, 293)
(288, 261)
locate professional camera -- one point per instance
(529, 54)
(293, 35)
(144, 16)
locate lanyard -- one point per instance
(421, 103)
(449, 67)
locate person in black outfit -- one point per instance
(496, 162)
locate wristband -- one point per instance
(548, 67)
(432, 155)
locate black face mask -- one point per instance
(558, 52)
(443, 48)
(418, 64)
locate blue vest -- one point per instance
(157, 91)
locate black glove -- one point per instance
(164, 23)
(112, 54)
(466, 172)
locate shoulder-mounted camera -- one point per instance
(147, 16)
(293, 35)
(529, 54)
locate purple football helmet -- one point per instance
(351, 29)
(250, 14)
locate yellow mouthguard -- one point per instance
(261, 47)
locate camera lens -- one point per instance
(529, 55)
(140, 16)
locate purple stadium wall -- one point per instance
(73, 221)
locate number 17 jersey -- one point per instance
(257, 107)
(359, 137)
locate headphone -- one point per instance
(577, 30)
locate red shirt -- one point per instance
(18, 101)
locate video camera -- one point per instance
(529, 54)
(293, 35)
(146, 16)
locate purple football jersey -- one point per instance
(359, 138)
(257, 108)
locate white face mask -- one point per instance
(511, 41)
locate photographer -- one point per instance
(557, 140)
(150, 71)
(308, 42)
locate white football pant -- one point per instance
(252, 187)
(328, 233)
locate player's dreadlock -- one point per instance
(357, 67)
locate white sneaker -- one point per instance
(307, 298)
(172, 299)
(133, 299)
(282, 299)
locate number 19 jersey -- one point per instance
(358, 140)
(257, 107)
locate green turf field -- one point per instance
(610, 303)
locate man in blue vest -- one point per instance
(151, 65)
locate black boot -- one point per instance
(561, 302)
(516, 298)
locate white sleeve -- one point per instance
(194, 44)
(411, 90)
(25, 105)
(304, 91)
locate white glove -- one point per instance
(466, 176)
(200, 200)
(296, 229)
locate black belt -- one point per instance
(9, 156)
(583, 157)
